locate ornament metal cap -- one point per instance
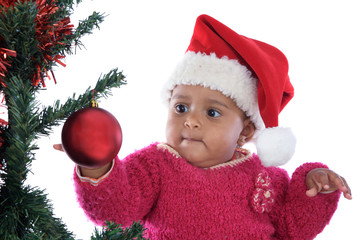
(93, 103)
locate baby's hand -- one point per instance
(88, 172)
(326, 181)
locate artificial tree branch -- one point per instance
(86, 27)
(34, 37)
(114, 231)
(52, 115)
(25, 212)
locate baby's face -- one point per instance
(203, 125)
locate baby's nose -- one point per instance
(193, 121)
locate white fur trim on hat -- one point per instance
(223, 74)
(275, 146)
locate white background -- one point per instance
(146, 39)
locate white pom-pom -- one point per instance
(275, 146)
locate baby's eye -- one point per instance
(213, 113)
(180, 108)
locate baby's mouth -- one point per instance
(190, 139)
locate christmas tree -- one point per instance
(35, 35)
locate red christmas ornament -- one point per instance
(91, 137)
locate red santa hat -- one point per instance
(252, 73)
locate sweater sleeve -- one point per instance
(295, 215)
(126, 195)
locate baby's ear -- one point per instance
(247, 132)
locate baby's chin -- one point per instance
(199, 162)
(195, 154)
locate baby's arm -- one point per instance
(295, 214)
(126, 194)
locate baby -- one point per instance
(201, 183)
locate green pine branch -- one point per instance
(53, 115)
(17, 29)
(86, 27)
(67, 4)
(36, 218)
(114, 231)
(25, 212)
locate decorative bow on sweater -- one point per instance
(263, 196)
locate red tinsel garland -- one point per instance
(49, 35)
(4, 124)
(2, 121)
(7, 3)
(4, 61)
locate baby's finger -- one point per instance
(347, 193)
(58, 147)
(337, 182)
(312, 191)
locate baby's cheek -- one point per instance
(224, 148)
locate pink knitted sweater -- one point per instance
(239, 199)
